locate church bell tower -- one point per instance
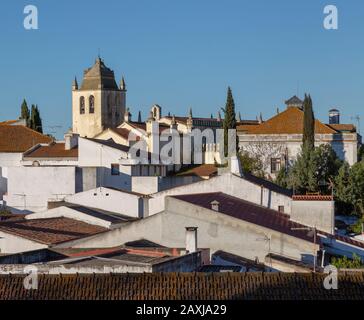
(99, 103)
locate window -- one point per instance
(82, 105)
(275, 165)
(115, 169)
(92, 104)
(281, 209)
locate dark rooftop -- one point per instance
(99, 77)
(184, 286)
(110, 143)
(249, 212)
(50, 231)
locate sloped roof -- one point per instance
(289, 121)
(20, 138)
(294, 101)
(203, 170)
(50, 231)
(110, 143)
(53, 150)
(99, 77)
(184, 286)
(248, 211)
(341, 127)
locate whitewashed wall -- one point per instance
(30, 188)
(110, 200)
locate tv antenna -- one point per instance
(357, 119)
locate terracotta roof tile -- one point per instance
(20, 138)
(50, 231)
(204, 170)
(343, 127)
(312, 198)
(289, 121)
(53, 150)
(184, 286)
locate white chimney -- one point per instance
(191, 239)
(215, 205)
(235, 166)
(71, 141)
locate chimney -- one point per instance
(334, 116)
(71, 141)
(191, 239)
(215, 205)
(235, 166)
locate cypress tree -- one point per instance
(308, 124)
(38, 121)
(24, 114)
(229, 118)
(32, 117)
(139, 117)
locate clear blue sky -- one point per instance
(184, 53)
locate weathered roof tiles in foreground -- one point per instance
(185, 286)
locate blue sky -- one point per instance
(183, 54)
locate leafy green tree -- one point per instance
(251, 164)
(346, 263)
(349, 187)
(229, 118)
(308, 123)
(314, 169)
(342, 190)
(282, 178)
(24, 113)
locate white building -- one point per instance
(277, 141)
(15, 139)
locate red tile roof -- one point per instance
(247, 211)
(204, 170)
(312, 198)
(184, 286)
(8, 122)
(53, 150)
(289, 121)
(20, 138)
(343, 127)
(50, 231)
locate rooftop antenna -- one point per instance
(357, 119)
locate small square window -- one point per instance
(275, 165)
(115, 169)
(281, 209)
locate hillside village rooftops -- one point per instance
(290, 121)
(51, 231)
(249, 212)
(52, 150)
(18, 139)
